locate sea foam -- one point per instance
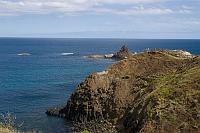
(65, 54)
(24, 54)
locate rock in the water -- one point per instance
(122, 54)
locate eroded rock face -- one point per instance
(140, 93)
(122, 54)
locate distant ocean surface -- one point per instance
(36, 74)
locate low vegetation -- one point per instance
(172, 106)
(85, 131)
(8, 124)
(153, 91)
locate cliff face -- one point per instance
(148, 92)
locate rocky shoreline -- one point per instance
(123, 53)
(153, 91)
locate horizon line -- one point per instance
(128, 38)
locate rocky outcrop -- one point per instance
(93, 126)
(153, 91)
(123, 53)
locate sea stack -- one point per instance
(123, 53)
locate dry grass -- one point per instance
(8, 124)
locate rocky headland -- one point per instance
(123, 53)
(149, 92)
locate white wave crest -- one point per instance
(65, 54)
(24, 54)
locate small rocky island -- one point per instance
(149, 92)
(123, 53)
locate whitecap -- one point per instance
(24, 54)
(65, 54)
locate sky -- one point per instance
(154, 19)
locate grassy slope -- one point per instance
(172, 106)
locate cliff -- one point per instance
(154, 91)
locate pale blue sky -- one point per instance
(100, 18)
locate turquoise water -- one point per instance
(31, 84)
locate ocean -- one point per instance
(39, 73)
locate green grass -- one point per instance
(85, 131)
(174, 101)
(175, 96)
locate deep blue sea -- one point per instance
(31, 84)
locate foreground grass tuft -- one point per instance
(8, 124)
(85, 131)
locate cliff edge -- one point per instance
(154, 91)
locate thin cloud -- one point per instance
(20, 7)
(42, 7)
(137, 11)
(141, 10)
(131, 1)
